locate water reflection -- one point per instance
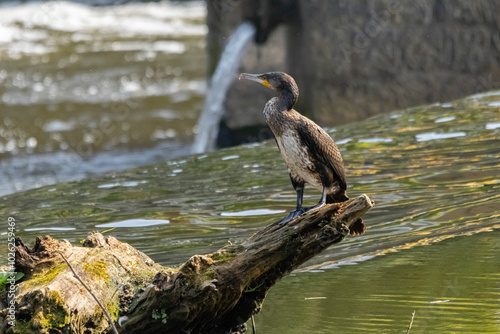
(444, 119)
(135, 223)
(254, 212)
(122, 184)
(433, 135)
(48, 229)
(492, 126)
(374, 140)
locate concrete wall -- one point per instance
(356, 58)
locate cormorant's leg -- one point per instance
(321, 203)
(300, 198)
(322, 200)
(299, 209)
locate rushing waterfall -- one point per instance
(213, 110)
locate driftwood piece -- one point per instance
(215, 293)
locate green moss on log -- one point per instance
(45, 278)
(49, 315)
(97, 270)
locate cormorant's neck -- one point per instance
(287, 99)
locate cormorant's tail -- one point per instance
(336, 197)
(358, 227)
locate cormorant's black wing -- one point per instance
(322, 145)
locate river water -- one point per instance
(432, 243)
(84, 90)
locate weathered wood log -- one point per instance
(214, 293)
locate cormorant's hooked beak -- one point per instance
(254, 77)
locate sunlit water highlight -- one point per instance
(135, 223)
(255, 212)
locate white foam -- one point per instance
(156, 18)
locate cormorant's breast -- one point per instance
(299, 159)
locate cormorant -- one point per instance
(310, 153)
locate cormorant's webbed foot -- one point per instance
(299, 212)
(309, 208)
(292, 215)
(299, 209)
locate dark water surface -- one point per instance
(432, 243)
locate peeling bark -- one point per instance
(214, 293)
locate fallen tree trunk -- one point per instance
(215, 293)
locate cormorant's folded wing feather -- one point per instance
(322, 145)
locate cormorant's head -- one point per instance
(278, 81)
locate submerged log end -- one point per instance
(362, 204)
